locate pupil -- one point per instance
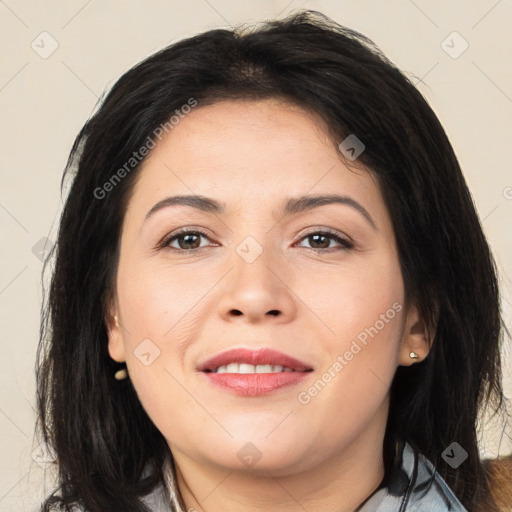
(315, 237)
(186, 239)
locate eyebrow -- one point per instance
(293, 205)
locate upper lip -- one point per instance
(254, 357)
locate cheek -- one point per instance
(362, 300)
(163, 310)
(160, 302)
(363, 318)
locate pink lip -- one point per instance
(254, 384)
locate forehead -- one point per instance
(243, 152)
(245, 130)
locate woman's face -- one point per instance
(318, 320)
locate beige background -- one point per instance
(44, 102)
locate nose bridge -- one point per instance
(255, 259)
(254, 287)
(255, 237)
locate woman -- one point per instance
(271, 289)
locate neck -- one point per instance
(339, 484)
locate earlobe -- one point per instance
(115, 338)
(415, 342)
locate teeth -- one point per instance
(264, 368)
(250, 368)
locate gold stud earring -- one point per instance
(117, 321)
(413, 355)
(121, 374)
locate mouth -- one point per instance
(246, 368)
(247, 372)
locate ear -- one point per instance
(415, 338)
(116, 347)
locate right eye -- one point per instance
(186, 239)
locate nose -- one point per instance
(258, 288)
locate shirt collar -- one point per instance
(413, 485)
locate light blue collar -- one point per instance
(414, 486)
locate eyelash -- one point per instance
(334, 235)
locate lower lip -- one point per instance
(255, 384)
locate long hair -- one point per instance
(109, 453)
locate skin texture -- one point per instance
(252, 155)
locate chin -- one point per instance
(278, 455)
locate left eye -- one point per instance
(319, 238)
